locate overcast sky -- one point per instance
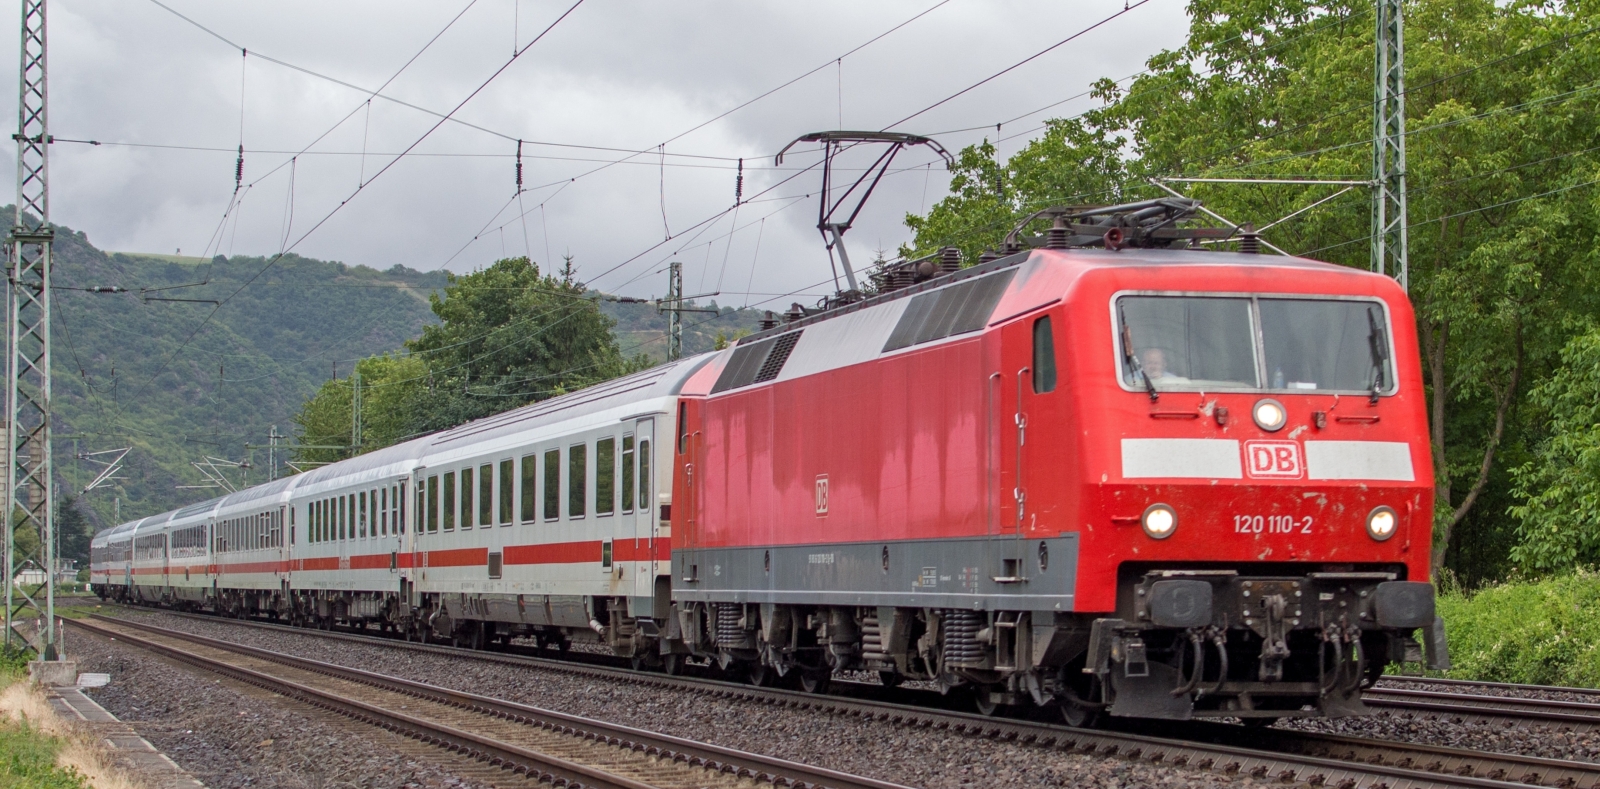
(611, 75)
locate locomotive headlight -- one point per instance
(1269, 414)
(1381, 523)
(1159, 521)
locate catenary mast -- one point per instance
(29, 492)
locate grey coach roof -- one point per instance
(660, 381)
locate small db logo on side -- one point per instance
(822, 494)
(1273, 459)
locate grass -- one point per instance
(41, 750)
(1541, 632)
(31, 756)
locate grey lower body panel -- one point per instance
(987, 573)
(528, 609)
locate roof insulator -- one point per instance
(1058, 234)
(1249, 239)
(949, 260)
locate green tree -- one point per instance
(73, 530)
(506, 336)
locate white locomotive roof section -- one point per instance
(602, 402)
(849, 339)
(376, 466)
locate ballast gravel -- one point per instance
(229, 739)
(886, 751)
(1547, 740)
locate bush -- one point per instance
(1540, 632)
(13, 660)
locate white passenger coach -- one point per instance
(551, 521)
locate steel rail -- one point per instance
(674, 749)
(1528, 770)
(542, 767)
(1395, 766)
(1475, 705)
(1400, 679)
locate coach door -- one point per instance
(639, 491)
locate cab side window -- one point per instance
(1044, 357)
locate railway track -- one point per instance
(549, 747)
(1282, 755)
(1478, 706)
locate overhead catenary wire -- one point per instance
(1029, 59)
(387, 166)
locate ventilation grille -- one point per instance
(757, 362)
(779, 354)
(957, 309)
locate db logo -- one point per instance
(822, 495)
(1273, 459)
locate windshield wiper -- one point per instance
(1131, 359)
(1378, 344)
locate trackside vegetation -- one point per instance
(1541, 632)
(29, 756)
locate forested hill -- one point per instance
(157, 376)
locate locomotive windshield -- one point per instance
(1239, 342)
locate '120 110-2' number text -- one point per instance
(1271, 524)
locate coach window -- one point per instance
(383, 512)
(400, 507)
(433, 503)
(530, 487)
(449, 508)
(508, 491)
(644, 475)
(372, 513)
(577, 480)
(552, 484)
(361, 513)
(466, 498)
(605, 476)
(627, 473)
(486, 495)
(683, 427)
(1044, 357)
(343, 509)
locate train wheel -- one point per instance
(815, 681)
(1078, 716)
(672, 664)
(761, 675)
(889, 679)
(987, 706)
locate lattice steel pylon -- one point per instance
(675, 311)
(29, 491)
(1389, 147)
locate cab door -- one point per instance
(1029, 425)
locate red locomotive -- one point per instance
(1104, 471)
(1151, 481)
